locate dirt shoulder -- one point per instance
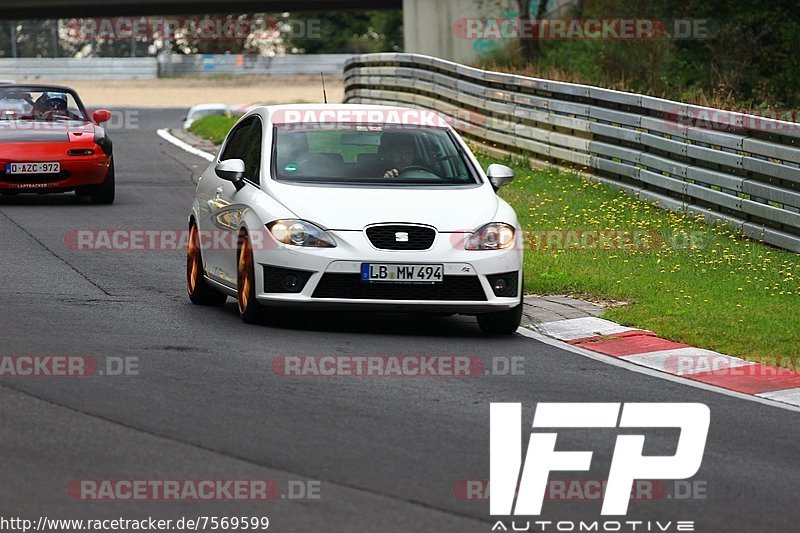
(186, 92)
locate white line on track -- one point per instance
(167, 136)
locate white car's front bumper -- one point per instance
(330, 277)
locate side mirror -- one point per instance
(101, 115)
(499, 175)
(184, 118)
(231, 170)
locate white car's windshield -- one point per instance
(385, 155)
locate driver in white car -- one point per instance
(398, 152)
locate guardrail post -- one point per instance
(12, 26)
(167, 49)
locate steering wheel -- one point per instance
(414, 167)
(51, 114)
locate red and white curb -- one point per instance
(645, 349)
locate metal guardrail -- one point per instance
(90, 68)
(147, 68)
(242, 64)
(732, 168)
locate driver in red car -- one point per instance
(51, 106)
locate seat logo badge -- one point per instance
(401, 236)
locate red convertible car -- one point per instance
(49, 144)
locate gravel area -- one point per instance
(185, 92)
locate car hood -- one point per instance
(449, 209)
(25, 131)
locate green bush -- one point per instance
(214, 127)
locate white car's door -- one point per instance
(227, 204)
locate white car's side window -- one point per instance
(236, 141)
(251, 152)
(244, 143)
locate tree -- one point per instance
(339, 32)
(529, 46)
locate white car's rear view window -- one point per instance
(385, 155)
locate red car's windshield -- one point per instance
(39, 104)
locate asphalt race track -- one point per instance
(206, 403)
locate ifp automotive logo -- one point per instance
(517, 487)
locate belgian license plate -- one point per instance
(33, 168)
(395, 273)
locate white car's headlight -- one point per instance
(492, 236)
(300, 233)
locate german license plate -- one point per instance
(33, 168)
(394, 273)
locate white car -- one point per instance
(204, 110)
(354, 207)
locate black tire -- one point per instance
(250, 310)
(104, 193)
(200, 292)
(503, 322)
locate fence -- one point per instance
(737, 169)
(90, 68)
(146, 68)
(238, 64)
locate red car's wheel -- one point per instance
(105, 192)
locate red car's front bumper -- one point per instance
(76, 170)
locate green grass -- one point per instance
(687, 281)
(213, 127)
(694, 283)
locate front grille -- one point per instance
(277, 279)
(350, 286)
(401, 237)
(32, 178)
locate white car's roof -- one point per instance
(303, 107)
(345, 113)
